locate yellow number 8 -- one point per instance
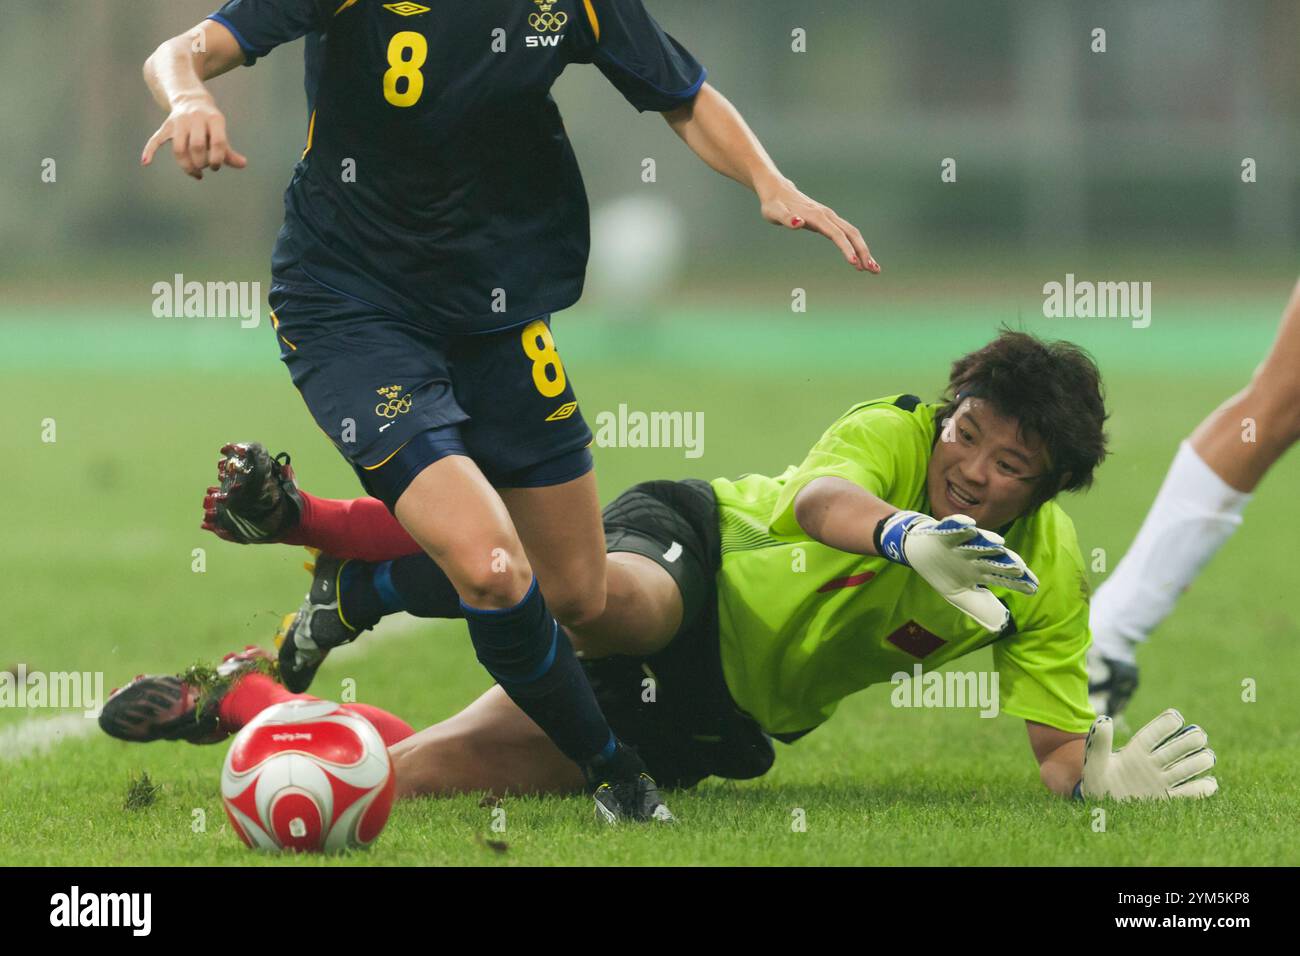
(540, 347)
(399, 67)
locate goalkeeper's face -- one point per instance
(982, 466)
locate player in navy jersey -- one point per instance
(435, 221)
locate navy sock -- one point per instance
(414, 584)
(529, 654)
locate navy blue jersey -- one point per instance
(313, 49)
(467, 211)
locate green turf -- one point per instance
(100, 527)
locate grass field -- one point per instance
(100, 526)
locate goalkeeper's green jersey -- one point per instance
(803, 625)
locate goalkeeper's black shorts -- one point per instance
(674, 706)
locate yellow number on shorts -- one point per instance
(399, 67)
(540, 347)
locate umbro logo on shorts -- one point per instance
(564, 411)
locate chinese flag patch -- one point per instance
(916, 640)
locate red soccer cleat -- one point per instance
(182, 706)
(257, 501)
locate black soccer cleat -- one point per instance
(179, 706)
(318, 626)
(623, 790)
(257, 500)
(1111, 683)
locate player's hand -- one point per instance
(784, 205)
(197, 131)
(958, 560)
(1165, 759)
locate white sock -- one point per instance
(1195, 512)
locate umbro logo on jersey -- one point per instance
(406, 9)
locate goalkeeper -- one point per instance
(907, 535)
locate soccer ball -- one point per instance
(308, 775)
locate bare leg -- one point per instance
(642, 613)
(1197, 509)
(1239, 454)
(617, 603)
(493, 746)
(490, 746)
(611, 604)
(474, 543)
(564, 538)
(514, 634)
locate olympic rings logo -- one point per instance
(541, 22)
(393, 407)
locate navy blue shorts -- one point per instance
(394, 396)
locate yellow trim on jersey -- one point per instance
(388, 459)
(591, 15)
(344, 6)
(311, 129)
(275, 324)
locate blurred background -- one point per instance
(1125, 165)
(1132, 156)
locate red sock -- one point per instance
(391, 727)
(253, 693)
(361, 528)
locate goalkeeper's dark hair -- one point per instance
(1054, 391)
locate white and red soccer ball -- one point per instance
(308, 775)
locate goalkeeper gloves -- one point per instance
(958, 560)
(1163, 760)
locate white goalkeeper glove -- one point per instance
(1163, 760)
(958, 560)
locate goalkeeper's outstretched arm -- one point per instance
(840, 514)
(1060, 757)
(1168, 758)
(956, 558)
